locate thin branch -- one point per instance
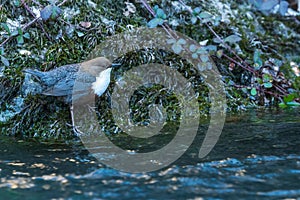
(30, 23)
(239, 64)
(23, 28)
(62, 3)
(242, 63)
(41, 25)
(165, 26)
(215, 34)
(148, 7)
(260, 89)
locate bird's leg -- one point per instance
(92, 108)
(108, 98)
(75, 130)
(108, 95)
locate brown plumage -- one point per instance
(59, 82)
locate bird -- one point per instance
(59, 81)
(92, 76)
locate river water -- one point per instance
(257, 157)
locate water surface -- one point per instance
(257, 157)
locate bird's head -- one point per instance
(96, 65)
(103, 79)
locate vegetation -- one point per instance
(254, 46)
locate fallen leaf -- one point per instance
(85, 24)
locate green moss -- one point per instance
(65, 41)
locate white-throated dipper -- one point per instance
(91, 76)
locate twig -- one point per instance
(23, 28)
(165, 27)
(41, 26)
(280, 89)
(6, 40)
(148, 7)
(62, 3)
(260, 89)
(30, 23)
(215, 34)
(246, 66)
(242, 63)
(239, 64)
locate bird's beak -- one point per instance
(114, 65)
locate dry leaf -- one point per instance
(85, 24)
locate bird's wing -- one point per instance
(61, 88)
(36, 73)
(64, 87)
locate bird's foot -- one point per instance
(92, 108)
(75, 129)
(77, 132)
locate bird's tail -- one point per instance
(30, 86)
(36, 73)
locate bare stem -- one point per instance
(148, 7)
(64, 1)
(165, 26)
(241, 62)
(41, 26)
(30, 23)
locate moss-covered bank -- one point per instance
(270, 41)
